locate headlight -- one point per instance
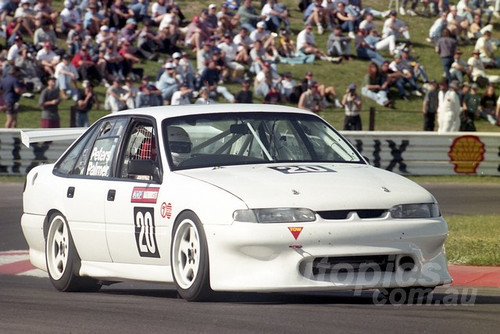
(423, 210)
(278, 215)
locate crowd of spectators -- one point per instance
(106, 41)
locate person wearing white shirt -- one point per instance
(230, 52)
(17, 52)
(306, 44)
(66, 76)
(181, 97)
(396, 27)
(47, 58)
(204, 97)
(458, 25)
(158, 11)
(69, 16)
(449, 108)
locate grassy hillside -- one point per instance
(406, 117)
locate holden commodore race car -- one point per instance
(253, 198)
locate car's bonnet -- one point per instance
(314, 186)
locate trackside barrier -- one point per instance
(407, 153)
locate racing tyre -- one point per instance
(63, 262)
(189, 258)
(407, 295)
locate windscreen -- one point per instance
(250, 138)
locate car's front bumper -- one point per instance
(267, 257)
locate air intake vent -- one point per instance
(343, 214)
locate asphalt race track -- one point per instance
(32, 305)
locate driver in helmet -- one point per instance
(179, 143)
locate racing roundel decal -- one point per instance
(166, 210)
(295, 231)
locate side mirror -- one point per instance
(145, 167)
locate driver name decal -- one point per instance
(303, 169)
(144, 195)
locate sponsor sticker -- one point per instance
(144, 195)
(295, 231)
(166, 210)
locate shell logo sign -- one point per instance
(466, 153)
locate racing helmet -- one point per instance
(179, 143)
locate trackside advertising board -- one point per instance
(406, 153)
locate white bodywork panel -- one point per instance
(128, 237)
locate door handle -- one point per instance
(111, 195)
(71, 192)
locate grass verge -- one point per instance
(474, 240)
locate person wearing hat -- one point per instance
(11, 89)
(311, 99)
(69, 16)
(129, 32)
(149, 95)
(119, 14)
(478, 70)
(66, 77)
(181, 97)
(430, 106)
(405, 76)
(204, 97)
(27, 16)
(17, 52)
(306, 44)
(168, 83)
(93, 20)
(449, 109)
(264, 79)
(352, 105)
(396, 27)
(459, 68)
(104, 37)
(48, 59)
(49, 101)
(245, 95)
(228, 21)
(248, 15)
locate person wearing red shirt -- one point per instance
(85, 66)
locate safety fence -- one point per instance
(407, 153)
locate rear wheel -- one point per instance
(63, 262)
(189, 258)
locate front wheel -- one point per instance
(63, 262)
(189, 258)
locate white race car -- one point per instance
(228, 198)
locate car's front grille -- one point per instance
(352, 264)
(343, 214)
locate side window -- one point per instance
(140, 145)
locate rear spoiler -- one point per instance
(41, 135)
